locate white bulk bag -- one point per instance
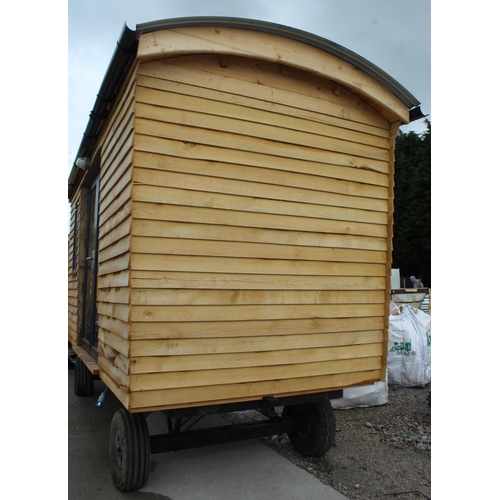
(369, 395)
(409, 357)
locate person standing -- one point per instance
(416, 283)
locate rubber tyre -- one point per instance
(317, 425)
(84, 380)
(71, 357)
(129, 450)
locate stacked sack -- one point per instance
(409, 357)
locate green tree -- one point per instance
(412, 205)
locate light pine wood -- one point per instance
(193, 135)
(260, 344)
(348, 330)
(149, 262)
(192, 363)
(251, 250)
(295, 196)
(239, 80)
(174, 155)
(178, 96)
(186, 397)
(87, 359)
(121, 229)
(118, 390)
(248, 297)
(116, 150)
(233, 41)
(222, 280)
(245, 223)
(193, 231)
(202, 119)
(201, 215)
(212, 377)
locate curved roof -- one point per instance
(126, 51)
(295, 34)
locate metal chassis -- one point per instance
(177, 439)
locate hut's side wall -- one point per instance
(261, 203)
(116, 149)
(73, 266)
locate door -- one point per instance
(89, 326)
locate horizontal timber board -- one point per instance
(114, 222)
(193, 231)
(204, 362)
(174, 156)
(238, 218)
(114, 250)
(179, 155)
(187, 189)
(120, 378)
(121, 230)
(319, 110)
(177, 246)
(114, 358)
(115, 207)
(114, 332)
(347, 330)
(259, 344)
(198, 135)
(269, 47)
(117, 137)
(119, 177)
(223, 281)
(117, 295)
(158, 92)
(118, 279)
(158, 114)
(171, 398)
(149, 262)
(257, 297)
(115, 265)
(114, 310)
(291, 86)
(202, 71)
(155, 381)
(119, 391)
(252, 312)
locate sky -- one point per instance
(395, 35)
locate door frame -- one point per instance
(89, 334)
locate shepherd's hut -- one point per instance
(230, 236)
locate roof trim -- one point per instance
(295, 34)
(124, 54)
(126, 51)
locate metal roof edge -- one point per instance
(125, 52)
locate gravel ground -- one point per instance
(380, 452)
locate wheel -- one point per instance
(71, 357)
(129, 450)
(84, 380)
(316, 427)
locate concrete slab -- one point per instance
(245, 470)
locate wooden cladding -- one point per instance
(228, 42)
(258, 236)
(245, 223)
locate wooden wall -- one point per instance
(260, 235)
(73, 266)
(113, 297)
